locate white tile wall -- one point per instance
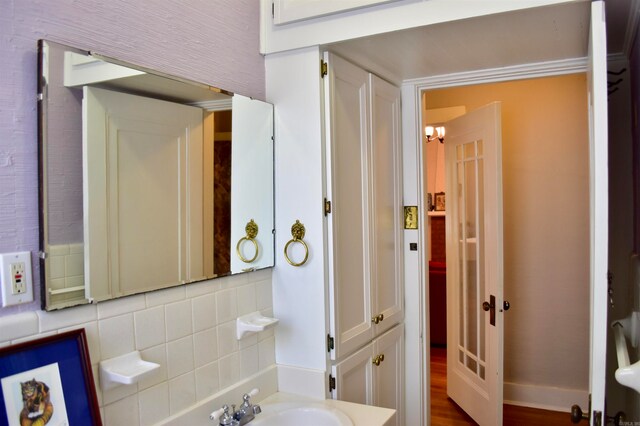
(65, 268)
(188, 330)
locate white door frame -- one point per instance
(417, 350)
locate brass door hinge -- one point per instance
(327, 207)
(332, 383)
(323, 68)
(330, 343)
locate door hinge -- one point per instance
(273, 10)
(323, 68)
(332, 383)
(330, 342)
(597, 418)
(327, 207)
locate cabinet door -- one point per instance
(386, 205)
(389, 373)
(354, 377)
(347, 117)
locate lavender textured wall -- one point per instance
(213, 41)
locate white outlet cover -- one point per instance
(8, 298)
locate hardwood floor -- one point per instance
(445, 412)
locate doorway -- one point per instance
(546, 232)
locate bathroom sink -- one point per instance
(295, 414)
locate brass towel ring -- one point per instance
(297, 232)
(252, 231)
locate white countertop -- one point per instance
(360, 415)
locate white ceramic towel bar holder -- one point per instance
(627, 374)
(125, 370)
(253, 323)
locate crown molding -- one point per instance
(494, 75)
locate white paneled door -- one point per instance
(599, 202)
(474, 264)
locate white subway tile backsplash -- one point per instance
(149, 327)
(205, 347)
(246, 296)
(117, 393)
(157, 354)
(154, 404)
(249, 361)
(229, 369)
(267, 353)
(66, 317)
(182, 392)
(201, 288)
(226, 305)
(19, 325)
(168, 295)
(179, 356)
(179, 319)
(227, 342)
(264, 296)
(123, 412)
(116, 336)
(204, 312)
(123, 305)
(207, 380)
(189, 330)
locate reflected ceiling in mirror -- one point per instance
(146, 181)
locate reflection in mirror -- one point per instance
(147, 181)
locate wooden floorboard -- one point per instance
(445, 412)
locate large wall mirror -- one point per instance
(146, 181)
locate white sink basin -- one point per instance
(304, 413)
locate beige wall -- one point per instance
(546, 217)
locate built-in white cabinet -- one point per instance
(373, 375)
(364, 191)
(364, 223)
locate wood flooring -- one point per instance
(445, 412)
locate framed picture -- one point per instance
(439, 201)
(49, 382)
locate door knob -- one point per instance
(378, 359)
(490, 307)
(506, 305)
(577, 415)
(377, 319)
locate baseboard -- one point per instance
(544, 397)
(301, 381)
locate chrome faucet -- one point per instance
(240, 417)
(246, 412)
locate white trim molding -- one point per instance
(544, 397)
(632, 27)
(495, 75)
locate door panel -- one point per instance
(474, 257)
(348, 156)
(386, 231)
(354, 377)
(389, 374)
(599, 202)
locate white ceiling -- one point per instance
(515, 38)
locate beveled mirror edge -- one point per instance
(42, 180)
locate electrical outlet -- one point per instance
(15, 274)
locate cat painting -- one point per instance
(37, 407)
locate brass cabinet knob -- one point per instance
(378, 359)
(377, 319)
